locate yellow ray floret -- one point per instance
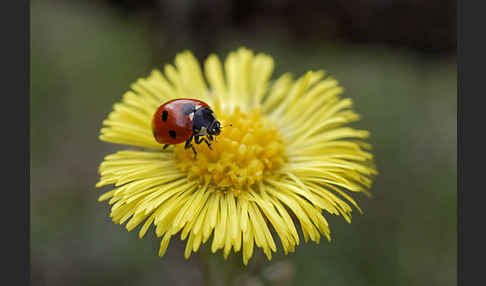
(288, 158)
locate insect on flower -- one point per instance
(182, 120)
(289, 160)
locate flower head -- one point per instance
(286, 158)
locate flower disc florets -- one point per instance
(242, 155)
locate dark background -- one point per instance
(396, 60)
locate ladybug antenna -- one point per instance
(226, 126)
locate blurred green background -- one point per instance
(395, 60)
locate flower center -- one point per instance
(243, 154)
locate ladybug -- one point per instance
(183, 119)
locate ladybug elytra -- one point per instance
(182, 120)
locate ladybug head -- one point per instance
(214, 128)
(204, 120)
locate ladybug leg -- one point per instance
(195, 153)
(210, 137)
(209, 144)
(189, 145)
(199, 141)
(165, 146)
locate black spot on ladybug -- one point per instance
(164, 115)
(172, 134)
(188, 108)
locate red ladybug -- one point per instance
(183, 119)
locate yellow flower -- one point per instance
(287, 157)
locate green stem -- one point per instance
(217, 271)
(205, 262)
(233, 268)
